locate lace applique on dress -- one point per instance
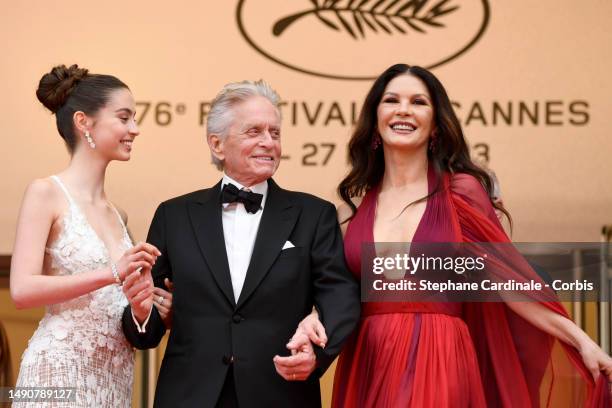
(80, 343)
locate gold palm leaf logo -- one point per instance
(358, 17)
(358, 39)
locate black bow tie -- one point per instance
(251, 201)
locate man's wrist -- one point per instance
(141, 315)
(141, 325)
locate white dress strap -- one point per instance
(63, 188)
(118, 216)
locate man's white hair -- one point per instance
(221, 114)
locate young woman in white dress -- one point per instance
(72, 249)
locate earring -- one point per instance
(376, 141)
(432, 141)
(90, 139)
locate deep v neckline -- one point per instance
(74, 204)
(374, 208)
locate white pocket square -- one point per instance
(287, 245)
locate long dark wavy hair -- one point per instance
(451, 154)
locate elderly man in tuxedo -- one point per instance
(248, 260)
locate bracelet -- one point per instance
(115, 274)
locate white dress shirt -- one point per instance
(239, 231)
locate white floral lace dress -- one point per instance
(80, 343)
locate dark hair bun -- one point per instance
(55, 87)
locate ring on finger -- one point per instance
(160, 300)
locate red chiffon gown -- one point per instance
(406, 354)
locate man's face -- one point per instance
(251, 150)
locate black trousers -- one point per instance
(228, 398)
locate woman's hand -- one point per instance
(138, 289)
(140, 256)
(163, 302)
(595, 359)
(312, 327)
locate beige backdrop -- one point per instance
(549, 55)
(555, 178)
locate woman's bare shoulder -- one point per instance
(43, 198)
(43, 192)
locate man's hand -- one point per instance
(138, 288)
(302, 361)
(163, 302)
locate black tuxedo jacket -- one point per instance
(211, 330)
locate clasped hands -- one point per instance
(140, 291)
(135, 272)
(302, 361)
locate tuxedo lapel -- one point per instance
(205, 215)
(277, 221)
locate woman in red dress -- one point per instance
(412, 180)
